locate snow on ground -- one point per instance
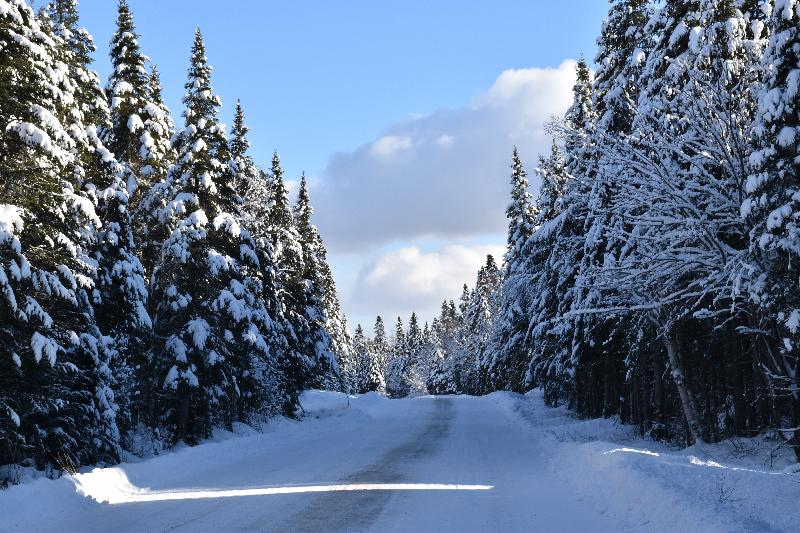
(501, 462)
(736, 485)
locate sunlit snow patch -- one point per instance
(112, 485)
(631, 450)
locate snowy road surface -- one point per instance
(424, 464)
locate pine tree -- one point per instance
(139, 134)
(56, 403)
(622, 50)
(299, 365)
(437, 382)
(267, 386)
(158, 155)
(397, 365)
(772, 204)
(367, 375)
(381, 349)
(202, 283)
(316, 275)
(479, 321)
(509, 336)
(120, 294)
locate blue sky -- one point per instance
(390, 107)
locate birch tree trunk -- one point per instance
(679, 377)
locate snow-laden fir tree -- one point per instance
(202, 292)
(479, 319)
(267, 394)
(380, 347)
(120, 293)
(542, 279)
(437, 380)
(621, 53)
(140, 132)
(622, 48)
(368, 376)
(772, 204)
(397, 365)
(319, 289)
(415, 374)
(508, 344)
(56, 404)
(300, 363)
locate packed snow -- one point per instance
(501, 462)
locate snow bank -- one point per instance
(318, 403)
(740, 485)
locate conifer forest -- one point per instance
(157, 285)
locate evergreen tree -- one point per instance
(368, 375)
(56, 402)
(120, 294)
(509, 336)
(316, 275)
(202, 283)
(267, 391)
(139, 134)
(381, 349)
(437, 382)
(479, 321)
(622, 50)
(300, 363)
(158, 130)
(397, 365)
(772, 204)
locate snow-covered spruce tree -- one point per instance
(508, 344)
(542, 284)
(140, 133)
(437, 381)
(320, 300)
(267, 391)
(381, 348)
(415, 371)
(120, 295)
(479, 321)
(621, 52)
(202, 283)
(369, 374)
(772, 205)
(335, 320)
(569, 365)
(299, 365)
(622, 48)
(451, 337)
(141, 125)
(158, 131)
(78, 46)
(397, 364)
(56, 405)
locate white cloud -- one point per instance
(443, 175)
(410, 279)
(390, 145)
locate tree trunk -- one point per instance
(658, 386)
(671, 343)
(183, 417)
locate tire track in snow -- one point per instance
(356, 511)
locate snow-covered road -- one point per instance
(372, 464)
(451, 441)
